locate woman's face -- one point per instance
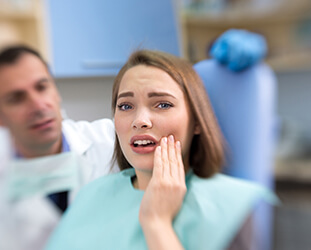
(151, 105)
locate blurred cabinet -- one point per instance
(89, 38)
(293, 170)
(94, 38)
(21, 22)
(286, 25)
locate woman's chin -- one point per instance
(144, 164)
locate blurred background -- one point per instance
(73, 37)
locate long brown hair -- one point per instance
(206, 152)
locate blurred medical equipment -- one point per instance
(239, 49)
(245, 106)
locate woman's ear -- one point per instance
(197, 129)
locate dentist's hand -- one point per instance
(164, 196)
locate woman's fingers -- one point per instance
(164, 157)
(157, 163)
(173, 164)
(168, 161)
(181, 169)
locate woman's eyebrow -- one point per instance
(126, 94)
(155, 94)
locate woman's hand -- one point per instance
(163, 196)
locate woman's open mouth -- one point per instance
(143, 144)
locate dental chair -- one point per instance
(245, 106)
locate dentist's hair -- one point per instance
(206, 151)
(12, 54)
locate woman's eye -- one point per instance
(164, 105)
(124, 107)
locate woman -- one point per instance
(165, 127)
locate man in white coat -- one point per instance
(40, 182)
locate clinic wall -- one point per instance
(90, 98)
(294, 100)
(86, 98)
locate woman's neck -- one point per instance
(142, 179)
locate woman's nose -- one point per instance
(142, 121)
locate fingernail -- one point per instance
(178, 144)
(171, 138)
(164, 139)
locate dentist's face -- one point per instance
(150, 105)
(30, 103)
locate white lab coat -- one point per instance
(26, 224)
(93, 141)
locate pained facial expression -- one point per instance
(151, 105)
(29, 103)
